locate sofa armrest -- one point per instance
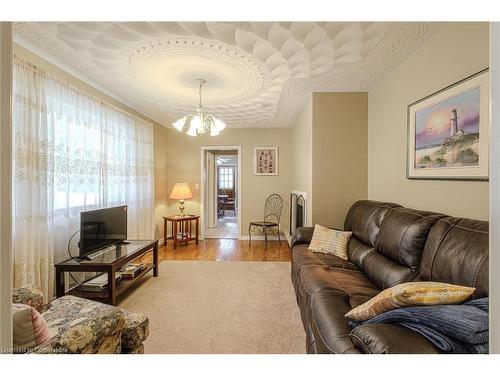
(135, 332)
(29, 295)
(78, 325)
(390, 339)
(303, 235)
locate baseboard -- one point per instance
(288, 239)
(246, 237)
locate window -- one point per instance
(77, 163)
(226, 177)
(72, 152)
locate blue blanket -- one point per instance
(451, 328)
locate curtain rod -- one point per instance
(35, 68)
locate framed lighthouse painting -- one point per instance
(265, 161)
(448, 132)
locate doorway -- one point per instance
(221, 193)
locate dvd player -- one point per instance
(98, 284)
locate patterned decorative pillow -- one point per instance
(29, 328)
(329, 241)
(426, 293)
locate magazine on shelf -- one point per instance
(130, 270)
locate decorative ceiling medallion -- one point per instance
(165, 69)
(259, 74)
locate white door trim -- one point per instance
(202, 187)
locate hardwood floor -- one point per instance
(228, 250)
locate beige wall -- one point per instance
(184, 159)
(161, 184)
(302, 164)
(339, 152)
(456, 51)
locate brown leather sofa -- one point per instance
(390, 245)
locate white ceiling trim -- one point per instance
(259, 74)
(77, 74)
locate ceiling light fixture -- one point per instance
(201, 122)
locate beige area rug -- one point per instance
(219, 307)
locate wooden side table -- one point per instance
(182, 229)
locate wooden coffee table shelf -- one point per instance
(121, 287)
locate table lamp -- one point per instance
(180, 192)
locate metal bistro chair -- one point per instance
(272, 216)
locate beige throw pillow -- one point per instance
(425, 293)
(329, 241)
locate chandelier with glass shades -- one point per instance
(201, 122)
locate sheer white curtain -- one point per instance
(128, 170)
(71, 153)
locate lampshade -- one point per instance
(194, 126)
(179, 124)
(181, 190)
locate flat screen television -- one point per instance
(102, 228)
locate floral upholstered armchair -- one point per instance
(78, 325)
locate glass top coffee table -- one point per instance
(109, 261)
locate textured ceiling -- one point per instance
(257, 73)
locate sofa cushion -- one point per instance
(350, 282)
(399, 247)
(330, 328)
(403, 235)
(365, 218)
(456, 252)
(386, 273)
(357, 251)
(314, 278)
(302, 256)
(135, 330)
(390, 339)
(78, 325)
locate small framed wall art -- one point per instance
(448, 132)
(265, 161)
